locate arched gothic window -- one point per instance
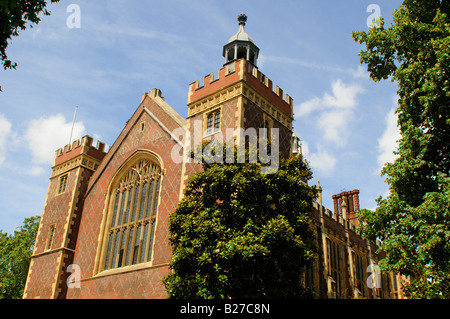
(133, 209)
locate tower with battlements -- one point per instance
(239, 98)
(58, 229)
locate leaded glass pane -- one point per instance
(142, 204)
(122, 248)
(217, 122)
(150, 245)
(116, 250)
(136, 245)
(121, 209)
(135, 203)
(108, 250)
(129, 246)
(155, 200)
(116, 204)
(209, 124)
(150, 199)
(144, 243)
(127, 208)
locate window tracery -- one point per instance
(134, 206)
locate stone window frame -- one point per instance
(213, 113)
(335, 255)
(50, 236)
(62, 184)
(142, 167)
(359, 272)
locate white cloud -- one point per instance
(333, 111)
(333, 125)
(36, 171)
(322, 162)
(308, 107)
(387, 143)
(5, 132)
(361, 73)
(344, 96)
(127, 31)
(47, 134)
(332, 114)
(304, 63)
(305, 148)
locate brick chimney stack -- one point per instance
(351, 199)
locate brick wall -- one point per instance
(254, 117)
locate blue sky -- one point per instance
(125, 48)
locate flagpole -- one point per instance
(73, 124)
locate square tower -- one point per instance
(58, 229)
(241, 97)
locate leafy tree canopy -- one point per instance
(14, 16)
(238, 233)
(413, 222)
(15, 256)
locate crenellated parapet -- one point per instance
(240, 78)
(81, 152)
(273, 93)
(227, 76)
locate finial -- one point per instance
(242, 18)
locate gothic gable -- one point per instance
(148, 131)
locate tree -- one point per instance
(413, 222)
(15, 256)
(238, 233)
(14, 16)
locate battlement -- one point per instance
(241, 70)
(264, 85)
(83, 146)
(338, 219)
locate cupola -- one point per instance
(241, 45)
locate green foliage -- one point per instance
(414, 221)
(15, 256)
(14, 16)
(242, 234)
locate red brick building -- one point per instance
(104, 227)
